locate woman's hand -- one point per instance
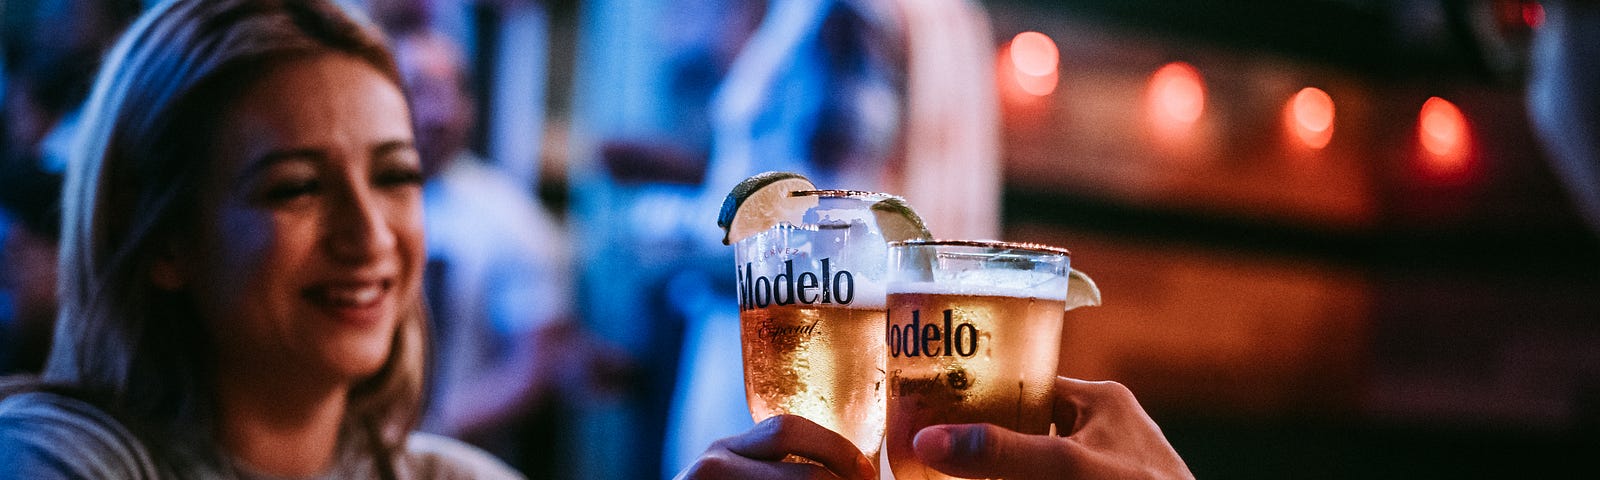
(759, 454)
(1106, 434)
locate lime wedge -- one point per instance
(1081, 291)
(898, 221)
(762, 201)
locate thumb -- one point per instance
(988, 451)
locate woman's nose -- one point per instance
(358, 227)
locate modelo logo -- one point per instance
(808, 288)
(916, 339)
(771, 330)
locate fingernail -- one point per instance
(932, 444)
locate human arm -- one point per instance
(560, 359)
(1105, 434)
(508, 342)
(760, 453)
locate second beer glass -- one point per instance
(811, 311)
(973, 336)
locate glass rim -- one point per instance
(837, 193)
(992, 244)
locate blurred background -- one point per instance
(1329, 244)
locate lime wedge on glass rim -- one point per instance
(897, 221)
(767, 199)
(762, 201)
(1081, 291)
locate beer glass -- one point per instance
(811, 312)
(973, 332)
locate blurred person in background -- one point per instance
(504, 45)
(505, 343)
(640, 141)
(241, 262)
(883, 95)
(51, 50)
(30, 227)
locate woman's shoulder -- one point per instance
(433, 456)
(48, 435)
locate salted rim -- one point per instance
(994, 244)
(832, 193)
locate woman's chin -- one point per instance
(360, 364)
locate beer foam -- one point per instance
(870, 296)
(1038, 285)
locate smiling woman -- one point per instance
(310, 231)
(241, 262)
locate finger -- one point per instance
(1077, 400)
(988, 451)
(782, 435)
(1109, 418)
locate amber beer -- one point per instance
(822, 363)
(811, 314)
(973, 334)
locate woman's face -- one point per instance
(310, 243)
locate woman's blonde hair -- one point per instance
(132, 191)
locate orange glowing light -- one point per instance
(1028, 67)
(1309, 115)
(1443, 132)
(1443, 127)
(1038, 86)
(1035, 54)
(1176, 97)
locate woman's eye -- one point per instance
(400, 177)
(286, 191)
